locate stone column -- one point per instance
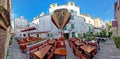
(2, 43)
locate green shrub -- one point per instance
(79, 35)
(90, 39)
(10, 42)
(84, 35)
(7, 53)
(110, 34)
(117, 41)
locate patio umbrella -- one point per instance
(41, 32)
(28, 29)
(61, 18)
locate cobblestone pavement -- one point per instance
(108, 50)
(15, 52)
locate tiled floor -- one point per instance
(107, 51)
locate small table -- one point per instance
(87, 48)
(61, 51)
(73, 40)
(78, 43)
(42, 52)
(51, 42)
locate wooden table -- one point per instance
(73, 40)
(24, 43)
(42, 52)
(78, 43)
(51, 42)
(87, 48)
(61, 51)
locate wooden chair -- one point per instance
(32, 49)
(69, 43)
(79, 54)
(58, 45)
(50, 56)
(23, 48)
(84, 42)
(72, 46)
(95, 50)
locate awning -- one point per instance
(61, 18)
(39, 32)
(29, 29)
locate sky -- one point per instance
(103, 9)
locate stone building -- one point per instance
(5, 25)
(116, 22)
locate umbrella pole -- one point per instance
(61, 33)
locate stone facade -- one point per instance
(5, 8)
(117, 18)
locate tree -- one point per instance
(79, 35)
(110, 34)
(109, 25)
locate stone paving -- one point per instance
(15, 52)
(107, 51)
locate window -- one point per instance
(84, 20)
(29, 35)
(73, 34)
(72, 11)
(72, 26)
(23, 35)
(37, 35)
(72, 17)
(65, 28)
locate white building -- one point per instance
(70, 6)
(21, 24)
(77, 24)
(99, 25)
(88, 19)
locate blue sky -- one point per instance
(31, 8)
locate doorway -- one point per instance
(66, 35)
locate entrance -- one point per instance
(66, 35)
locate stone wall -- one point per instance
(118, 28)
(5, 26)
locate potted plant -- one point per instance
(10, 42)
